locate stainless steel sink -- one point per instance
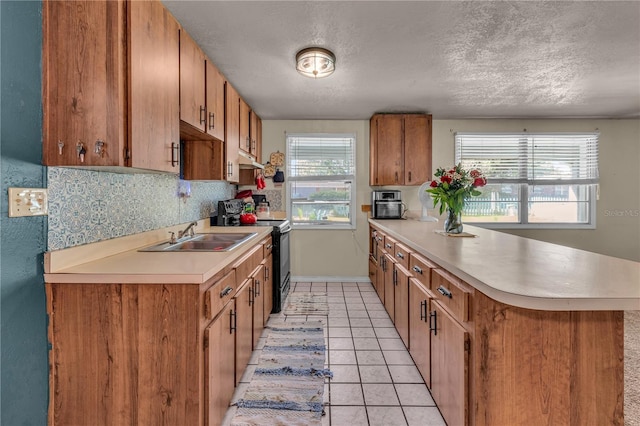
(204, 242)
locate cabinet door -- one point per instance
(450, 363)
(84, 82)
(203, 160)
(215, 101)
(258, 304)
(380, 287)
(386, 150)
(245, 139)
(268, 287)
(389, 285)
(154, 87)
(192, 82)
(417, 149)
(219, 372)
(253, 133)
(419, 334)
(259, 140)
(244, 327)
(232, 133)
(401, 302)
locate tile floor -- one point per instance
(375, 381)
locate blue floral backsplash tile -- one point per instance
(87, 206)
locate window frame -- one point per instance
(524, 184)
(289, 180)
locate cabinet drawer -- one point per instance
(216, 296)
(267, 247)
(402, 254)
(389, 245)
(451, 293)
(246, 265)
(421, 269)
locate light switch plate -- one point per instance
(28, 202)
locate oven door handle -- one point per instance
(286, 230)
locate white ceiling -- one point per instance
(451, 59)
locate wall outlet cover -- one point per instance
(27, 202)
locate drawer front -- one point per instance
(389, 245)
(216, 296)
(402, 254)
(421, 268)
(268, 247)
(249, 262)
(451, 293)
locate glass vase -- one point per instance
(453, 222)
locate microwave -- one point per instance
(386, 204)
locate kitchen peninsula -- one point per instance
(519, 331)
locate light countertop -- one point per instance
(125, 264)
(524, 272)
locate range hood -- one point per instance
(248, 162)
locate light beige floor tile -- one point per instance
(398, 358)
(345, 374)
(341, 357)
(340, 343)
(414, 394)
(350, 288)
(255, 356)
(374, 306)
(363, 332)
(386, 416)
(379, 394)
(334, 284)
(405, 374)
(339, 332)
(379, 314)
(382, 322)
(386, 333)
(392, 344)
(333, 313)
(346, 394)
(325, 394)
(326, 418)
(239, 392)
(338, 322)
(365, 343)
(356, 307)
(423, 416)
(358, 314)
(360, 322)
(370, 358)
(349, 416)
(248, 373)
(374, 374)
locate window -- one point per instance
(545, 180)
(321, 180)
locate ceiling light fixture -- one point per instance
(315, 62)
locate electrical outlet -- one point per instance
(27, 202)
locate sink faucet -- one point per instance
(188, 229)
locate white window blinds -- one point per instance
(317, 155)
(544, 158)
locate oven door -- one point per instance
(285, 258)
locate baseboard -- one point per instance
(330, 279)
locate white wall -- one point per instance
(617, 233)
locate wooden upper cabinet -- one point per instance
(254, 124)
(84, 82)
(232, 133)
(400, 149)
(154, 87)
(215, 101)
(245, 120)
(192, 83)
(110, 85)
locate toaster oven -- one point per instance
(386, 204)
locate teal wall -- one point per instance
(23, 338)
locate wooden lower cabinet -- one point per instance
(244, 326)
(389, 284)
(419, 332)
(268, 287)
(449, 366)
(258, 304)
(401, 302)
(219, 361)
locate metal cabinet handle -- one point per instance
(203, 115)
(257, 283)
(395, 276)
(248, 144)
(212, 122)
(433, 323)
(226, 291)
(379, 238)
(175, 154)
(269, 246)
(251, 296)
(396, 177)
(409, 176)
(417, 269)
(232, 322)
(423, 310)
(387, 245)
(445, 292)
(400, 255)
(266, 273)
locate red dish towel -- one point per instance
(260, 181)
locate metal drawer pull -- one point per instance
(417, 269)
(266, 273)
(203, 115)
(257, 287)
(433, 323)
(212, 123)
(400, 255)
(269, 246)
(387, 245)
(232, 322)
(445, 292)
(226, 291)
(251, 296)
(395, 276)
(423, 311)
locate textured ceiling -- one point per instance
(451, 59)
